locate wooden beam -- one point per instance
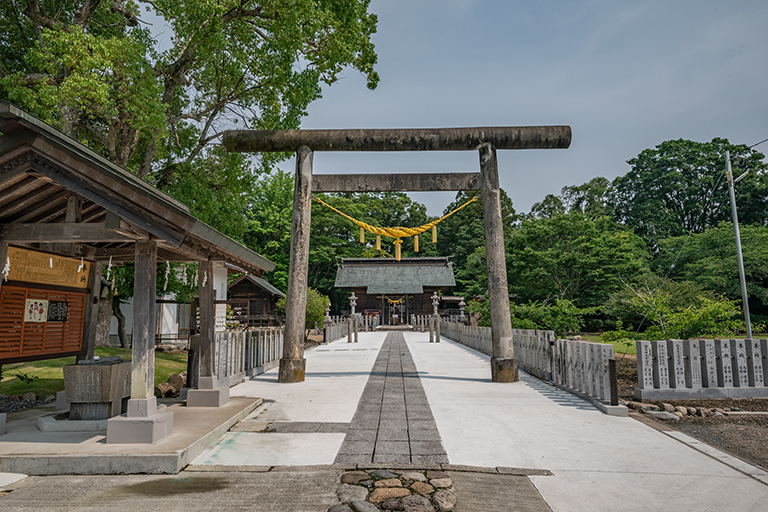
(144, 320)
(395, 182)
(63, 232)
(418, 139)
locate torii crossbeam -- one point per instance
(485, 140)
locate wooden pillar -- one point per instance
(144, 320)
(91, 317)
(3, 257)
(293, 364)
(207, 327)
(503, 362)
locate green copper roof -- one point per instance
(386, 275)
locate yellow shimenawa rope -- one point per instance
(396, 301)
(399, 231)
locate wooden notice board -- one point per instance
(42, 306)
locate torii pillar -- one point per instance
(484, 140)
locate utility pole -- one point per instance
(742, 278)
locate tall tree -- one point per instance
(590, 198)
(573, 256)
(92, 69)
(709, 259)
(679, 187)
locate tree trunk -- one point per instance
(120, 323)
(104, 317)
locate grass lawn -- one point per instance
(50, 375)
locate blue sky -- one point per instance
(625, 75)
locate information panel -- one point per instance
(42, 268)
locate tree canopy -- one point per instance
(679, 187)
(92, 69)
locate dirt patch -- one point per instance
(745, 437)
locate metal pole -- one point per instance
(742, 278)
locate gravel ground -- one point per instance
(10, 404)
(745, 437)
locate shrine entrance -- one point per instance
(484, 140)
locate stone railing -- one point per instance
(580, 367)
(336, 329)
(701, 369)
(247, 353)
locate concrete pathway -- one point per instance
(527, 433)
(598, 462)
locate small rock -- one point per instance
(649, 408)
(392, 504)
(727, 409)
(735, 409)
(414, 476)
(163, 390)
(417, 504)
(364, 506)
(679, 414)
(444, 500)
(691, 411)
(681, 410)
(347, 493)
(663, 415)
(389, 482)
(340, 508)
(354, 477)
(704, 412)
(29, 396)
(634, 405)
(383, 473)
(49, 399)
(721, 411)
(718, 414)
(386, 493)
(622, 402)
(442, 483)
(668, 407)
(177, 381)
(422, 488)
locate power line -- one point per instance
(753, 145)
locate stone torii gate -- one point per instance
(484, 140)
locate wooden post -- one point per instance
(293, 364)
(3, 257)
(144, 320)
(91, 318)
(503, 362)
(207, 327)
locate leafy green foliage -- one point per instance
(719, 317)
(563, 316)
(709, 260)
(315, 311)
(572, 256)
(93, 70)
(680, 188)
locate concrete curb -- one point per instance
(498, 470)
(121, 463)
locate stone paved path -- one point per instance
(393, 422)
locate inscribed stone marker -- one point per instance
(676, 366)
(740, 372)
(709, 364)
(724, 365)
(644, 365)
(692, 354)
(755, 363)
(661, 368)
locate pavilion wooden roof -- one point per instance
(41, 168)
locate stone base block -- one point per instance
(207, 397)
(504, 370)
(292, 370)
(150, 429)
(61, 401)
(2, 423)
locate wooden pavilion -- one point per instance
(65, 213)
(395, 289)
